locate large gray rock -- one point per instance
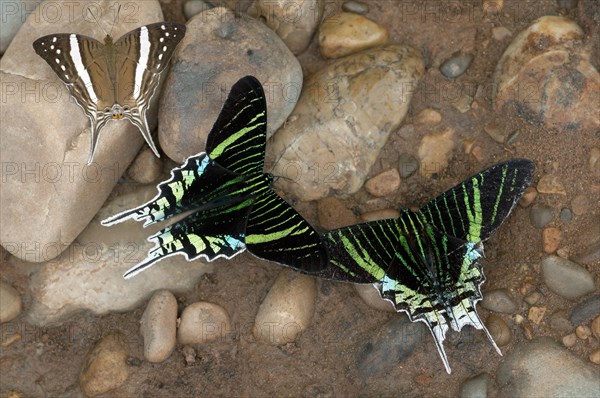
(566, 278)
(49, 193)
(542, 368)
(89, 274)
(13, 16)
(342, 120)
(220, 48)
(295, 21)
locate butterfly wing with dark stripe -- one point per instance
(141, 56)
(275, 231)
(211, 233)
(197, 184)
(472, 210)
(422, 268)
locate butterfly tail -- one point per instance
(217, 232)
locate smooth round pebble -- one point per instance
(434, 152)
(543, 368)
(596, 327)
(560, 323)
(287, 310)
(528, 197)
(566, 215)
(347, 33)
(580, 205)
(566, 278)
(569, 340)
(583, 332)
(541, 215)
(428, 117)
(333, 214)
(389, 345)
(499, 300)
(475, 387)
(193, 7)
(551, 237)
(10, 302)
(371, 296)
(407, 165)
(500, 33)
(586, 310)
(383, 214)
(595, 356)
(456, 65)
(499, 330)
(159, 326)
(202, 322)
(533, 298)
(589, 255)
(146, 167)
(356, 7)
(383, 184)
(105, 367)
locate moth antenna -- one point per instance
(115, 20)
(97, 21)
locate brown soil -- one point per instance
(322, 363)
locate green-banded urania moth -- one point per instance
(231, 203)
(427, 262)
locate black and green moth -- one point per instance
(426, 263)
(229, 197)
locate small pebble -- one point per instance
(594, 161)
(499, 330)
(551, 237)
(334, 214)
(370, 295)
(550, 184)
(518, 319)
(105, 367)
(595, 356)
(583, 332)
(560, 323)
(590, 255)
(347, 33)
(389, 345)
(567, 4)
(380, 215)
(566, 278)
(596, 327)
(528, 197)
(536, 314)
(463, 103)
(159, 326)
(478, 154)
(580, 205)
(407, 165)
(434, 151)
(586, 310)
(541, 215)
(569, 340)
(456, 65)
(287, 310)
(533, 298)
(146, 167)
(189, 354)
(202, 322)
(10, 302)
(499, 300)
(10, 340)
(423, 379)
(500, 33)
(428, 117)
(193, 7)
(566, 215)
(383, 184)
(496, 131)
(475, 387)
(356, 7)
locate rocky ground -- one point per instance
(394, 110)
